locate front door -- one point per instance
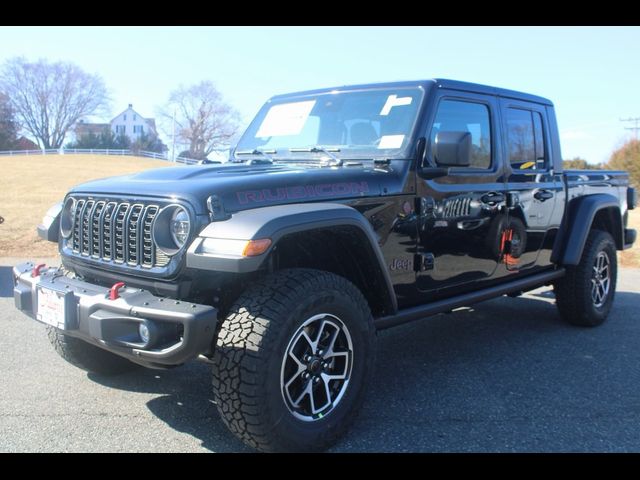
(460, 214)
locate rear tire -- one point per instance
(86, 356)
(584, 296)
(293, 359)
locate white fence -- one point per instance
(97, 151)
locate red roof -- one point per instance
(23, 143)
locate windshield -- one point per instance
(351, 124)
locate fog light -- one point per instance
(143, 331)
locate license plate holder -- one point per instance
(55, 308)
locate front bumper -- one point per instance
(185, 329)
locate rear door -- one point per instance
(458, 213)
(535, 190)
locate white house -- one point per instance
(132, 124)
(129, 123)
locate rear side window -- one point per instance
(525, 139)
(461, 116)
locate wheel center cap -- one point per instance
(315, 366)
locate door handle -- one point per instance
(543, 195)
(492, 198)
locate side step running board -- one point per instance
(440, 306)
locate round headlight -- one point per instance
(171, 229)
(67, 216)
(180, 226)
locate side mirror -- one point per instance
(425, 171)
(452, 149)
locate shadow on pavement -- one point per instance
(508, 370)
(6, 282)
(185, 402)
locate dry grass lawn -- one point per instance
(29, 185)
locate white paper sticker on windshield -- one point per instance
(285, 119)
(395, 101)
(391, 141)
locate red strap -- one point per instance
(507, 236)
(503, 240)
(113, 292)
(36, 270)
(508, 258)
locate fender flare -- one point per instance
(579, 217)
(276, 222)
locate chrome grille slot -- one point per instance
(107, 231)
(96, 237)
(132, 234)
(148, 248)
(84, 227)
(77, 214)
(116, 232)
(162, 258)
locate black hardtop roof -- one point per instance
(426, 84)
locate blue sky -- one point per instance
(592, 74)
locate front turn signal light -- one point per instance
(256, 247)
(236, 248)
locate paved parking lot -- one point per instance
(506, 375)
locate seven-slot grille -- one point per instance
(457, 207)
(119, 232)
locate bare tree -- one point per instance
(8, 125)
(203, 120)
(49, 98)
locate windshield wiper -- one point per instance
(320, 149)
(255, 151)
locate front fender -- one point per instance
(275, 222)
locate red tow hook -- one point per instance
(36, 270)
(113, 292)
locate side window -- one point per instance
(461, 116)
(525, 139)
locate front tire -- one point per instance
(292, 360)
(86, 356)
(584, 296)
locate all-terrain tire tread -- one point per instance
(243, 344)
(572, 291)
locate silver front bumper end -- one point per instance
(90, 315)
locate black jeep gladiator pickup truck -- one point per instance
(340, 212)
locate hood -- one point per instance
(242, 187)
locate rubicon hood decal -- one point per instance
(301, 192)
